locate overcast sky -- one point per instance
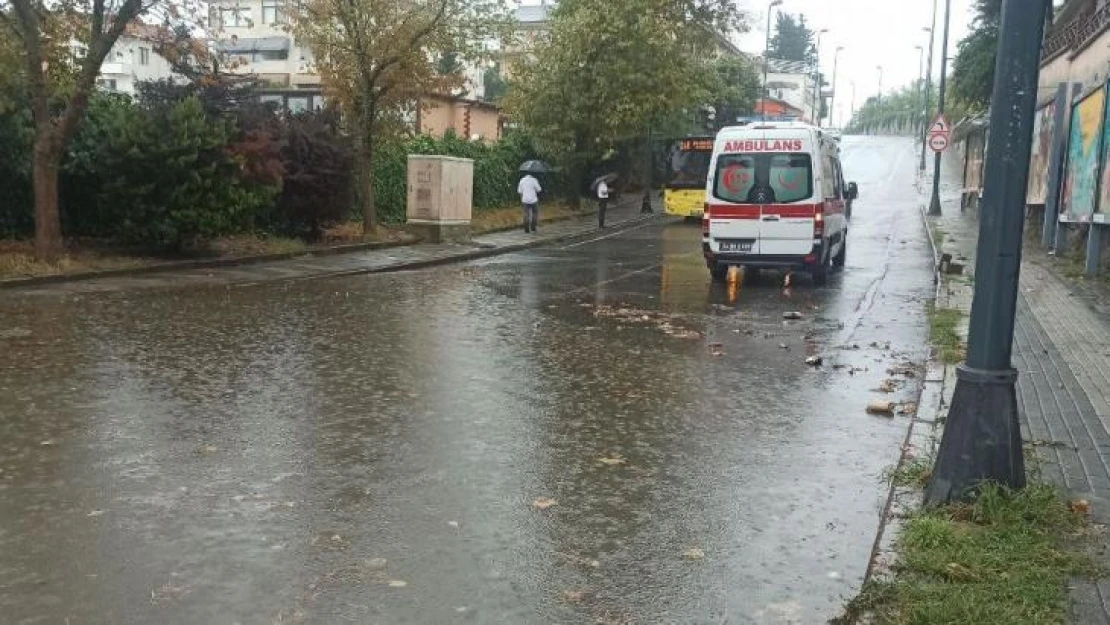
(873, 32)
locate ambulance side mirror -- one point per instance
(853, 191)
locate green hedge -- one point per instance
(175, 168)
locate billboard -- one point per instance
(1043, 126)
(1104, 185)
(1084, 149)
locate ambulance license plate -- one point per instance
(736, 246)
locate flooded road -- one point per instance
(579, 434)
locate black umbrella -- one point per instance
(535, 167)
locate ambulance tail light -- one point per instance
(818, 223)
(705, 220)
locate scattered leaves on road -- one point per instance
(398, 583)
(693, 553)
(716, 349)
(543, 503)
(612, 461)
(888, 386)
(881, 407)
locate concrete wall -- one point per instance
(468, 119)
(1088, 66)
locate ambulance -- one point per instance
(776, 199)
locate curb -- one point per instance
(324, 252)
(477, 254)
(920, 437)
(241, 261)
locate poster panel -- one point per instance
(1043, 125)
(973, 171)
(1104, 184)
(1084, 146)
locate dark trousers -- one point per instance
(531, 213)
(602, 204)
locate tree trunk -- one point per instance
(369, 209)
(46, 160)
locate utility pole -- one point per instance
(982, 437)
(921, 83)
(817, 79)
(934, 204)
(928, 84)
(832, 98)
(880, 68)
(766, 56)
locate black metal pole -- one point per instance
(934, 204)
(645, 203)
(982, 437)
(928, 86)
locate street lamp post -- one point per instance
(928, 84)
(880, 68)
(982, 436)
(832, 98)
(934, 204)
(817, 78)
(921, 82)
(766, 55)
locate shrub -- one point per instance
(172, 180)
(318, 175)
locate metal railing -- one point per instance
(1076, 34)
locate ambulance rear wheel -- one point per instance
(719, 272)
(841, 256)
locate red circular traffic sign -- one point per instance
(938, 142)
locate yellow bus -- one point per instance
(687, 165)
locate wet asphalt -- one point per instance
(590, 433)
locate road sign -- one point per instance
(939, 126)
(938, 142)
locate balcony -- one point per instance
(1074, 36)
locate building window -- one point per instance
(235, 17)
(271, 12)
(107, 83)
(144, 56)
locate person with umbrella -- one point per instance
(601, 187)
(529, 190)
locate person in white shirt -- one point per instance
(602, 202)
(529, 190)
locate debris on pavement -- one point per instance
(815, 361)
(716, 349)
(1080, 506)
(881, 407)
(887, 386)
(908, 408)
(693, 553)
(792, 315)
(543, 503)
(612, 461)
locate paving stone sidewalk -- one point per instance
(624, 215)
(1062, 353)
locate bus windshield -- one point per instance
(688, 163)
(763, 178)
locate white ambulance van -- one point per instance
(776, 198)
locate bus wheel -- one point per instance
(719, 272)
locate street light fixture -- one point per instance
(766, 52)
(817, 78)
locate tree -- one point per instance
(59, 86)
(734, 88)
(377, 57)
(493, 84)
(793, 40)
(608, 70)
(973, 67)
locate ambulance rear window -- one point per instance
(763, 178)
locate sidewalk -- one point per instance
(1062, 354)
(624, 215)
